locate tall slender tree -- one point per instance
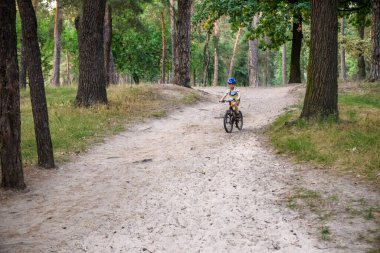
(10, 125)
(163, 51)
(107, 41)
(361, 61)
(173, 34)
(343, 53)
(232, 62)
(254, 57)
(284, 64)
(23, 67)
(36, 83)
(182, 53)
(374, 74)
(68, 78)
(55, 80)
(206, 59)
(216, 38)
(92, 79)
(321, 99)
(295, 67)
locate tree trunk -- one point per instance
(107, 41)
(35, 5)
(295, 67)
(206, 60)
(136, 78)
(374, 74)
(182, 70)
(284, 64)
(36, 83)
(23, 68)
(57, 45)
(254, 58)
(173, 36)
(10, 125)
(216, 53)
(68, 78)
(194, 77)
(234, 53)
(361, 61)
(92, 78)
(163, 55)
(321, 99)
(267, 77)
(112, 72)
(343, 54)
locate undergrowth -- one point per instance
(73, 129)
(352, 144)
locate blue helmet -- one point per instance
(231, 80)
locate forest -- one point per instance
(190, 126)
(93, 45)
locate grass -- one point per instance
(304, 197)
(73, 129)
(351, 145)
(325, 233)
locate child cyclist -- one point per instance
(232, 93)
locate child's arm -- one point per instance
(220, 100)
(238, 96)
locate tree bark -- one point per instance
(92, 79)
(35, 5)
(183, 29)
(68, 78)
(321, 99)
(107, 41)
(284, 64)
(374, 74)
(57, 45)
(114, 79)
(23, 68)
(36, 83)
(266, 76)
(216, 38)
(12, 175)
(254, 58)
(206, 60)
(163, 54)
(361, 61)
(295, 67)
(343, 54)
(173, 35)
(234, 53)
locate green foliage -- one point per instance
(242, 12)
(137, 44)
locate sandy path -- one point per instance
(179, 184)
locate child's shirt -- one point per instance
(232, 93)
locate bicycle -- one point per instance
(231, 117)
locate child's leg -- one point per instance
(236, 106)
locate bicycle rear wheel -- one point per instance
(239, 121)
(228, 121)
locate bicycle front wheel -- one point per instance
(228, 121)
(239, 121)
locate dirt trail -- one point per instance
(181, 184)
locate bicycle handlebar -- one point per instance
(227, 100)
